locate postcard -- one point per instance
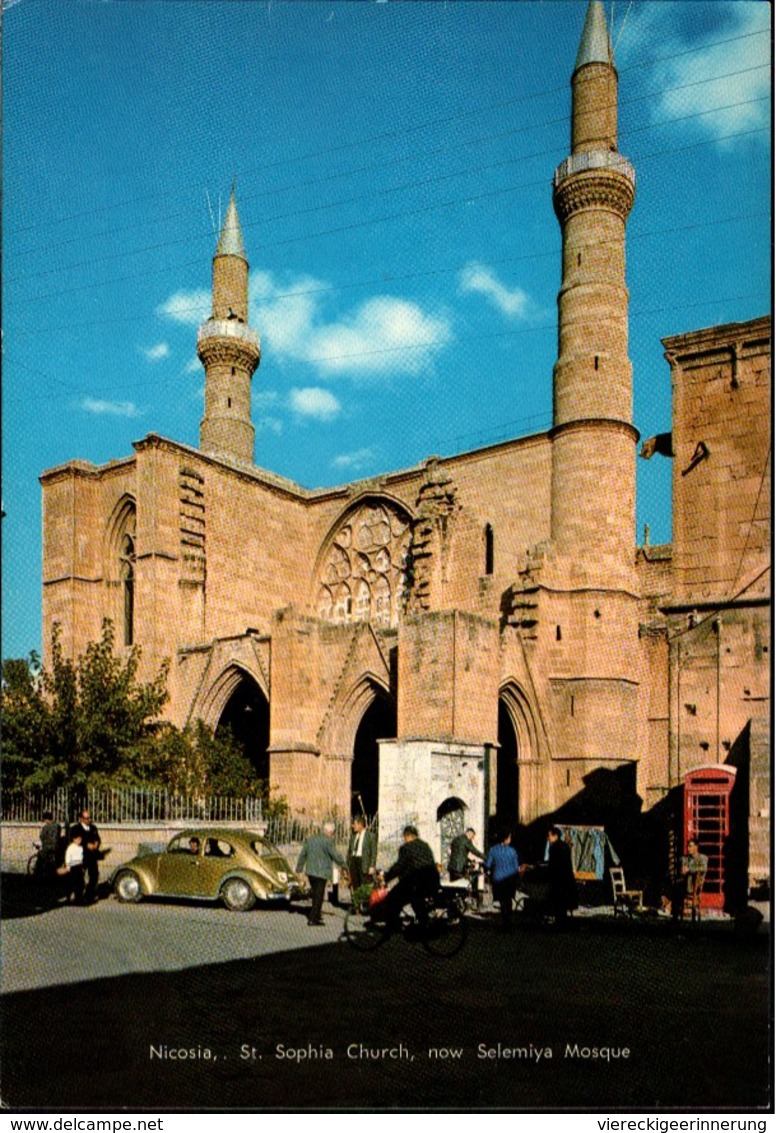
(386, 649)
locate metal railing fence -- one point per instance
(153, 805)
(134, 805)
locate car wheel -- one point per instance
(237, 895)
(127, 887)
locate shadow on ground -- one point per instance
(692, 1011)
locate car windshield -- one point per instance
(265, 849)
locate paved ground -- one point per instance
(273, 1014)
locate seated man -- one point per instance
(694, 867)
(418, 879)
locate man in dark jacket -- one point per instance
(418, 878)
(462, 848)
(362, 853)
(318, 854)
(50, 838)
(563, 897)
(91, 842)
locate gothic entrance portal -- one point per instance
(519, 779)
(507, 771)
(377, 723)
(246, 715)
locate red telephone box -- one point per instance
(707, 819)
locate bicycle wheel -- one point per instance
(362, 932)
(32, 864)
(445, 932)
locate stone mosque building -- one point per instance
(481, 630)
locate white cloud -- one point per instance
(269, 425)
(313, 402)
(114, 408)
(264, 398)
(193, 366)
(156, 353)
(478, 278)
(353, 460)
(738, 100)
(190, 307)
(382, 335)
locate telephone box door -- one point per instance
(707, 820)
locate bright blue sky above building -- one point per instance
(393, 165)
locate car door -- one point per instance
(218, 859)
(180, 869)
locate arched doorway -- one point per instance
(246, 715)
(377, 723)
(507, 770)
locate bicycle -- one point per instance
(33, 860)
(471, 888)
(442, 933)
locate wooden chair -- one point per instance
(692, 898)
(626, 901)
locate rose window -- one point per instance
(363, 573)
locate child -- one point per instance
(74, 862)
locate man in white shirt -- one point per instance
(362, 854)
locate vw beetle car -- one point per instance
(237, 867)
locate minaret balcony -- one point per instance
(228, 328)
(594, 159)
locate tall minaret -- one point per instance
(593, 469)
(229, 350)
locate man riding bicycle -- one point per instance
(418, 879)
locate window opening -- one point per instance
(127, 572)
(488, 548)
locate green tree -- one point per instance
(91, 723)
(26, 719)
(79, 723)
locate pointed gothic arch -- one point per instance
(237, 699)
(518, 756)
(212, 699)
(360, 715)
(120, 557)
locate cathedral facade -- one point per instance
(479, 630)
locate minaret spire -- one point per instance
(229, 349)
(594, 438)
(595, 46)
(230, 242)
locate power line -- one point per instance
(425, 153)
(468, 198)
(415, 184)
(635, 315)
(389, 278)
(400, 132)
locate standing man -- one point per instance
(462, 848)
(362, 854)
(91, 842)
(316, 859)
(503, 866)
(563, 885)
(48, 857)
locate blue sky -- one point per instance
(393, 164)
